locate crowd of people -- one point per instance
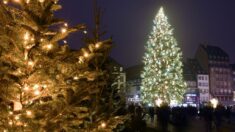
(177, 116)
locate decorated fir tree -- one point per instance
(162, 73)
(45, 86)
(34, 68)
(107, 102)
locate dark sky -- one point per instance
(130, 22)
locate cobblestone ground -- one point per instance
(193, 125)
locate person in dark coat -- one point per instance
(208, 117)
(163, 117)
(151, 113)
(131, 109)
(218, 113)
(228, 114)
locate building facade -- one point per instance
(191, 96)
(233, 79)
(203, 87)
(120, 80)
(202, 80)
(133, 83)
(216, 62)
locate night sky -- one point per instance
(130, 21)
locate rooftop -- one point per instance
(215, 53)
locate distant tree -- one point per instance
(162, 74)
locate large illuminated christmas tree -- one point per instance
(162, 78)
(45, 86)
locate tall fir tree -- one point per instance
(35, 70)
(45, 86)
(162, 73)
(106, 104)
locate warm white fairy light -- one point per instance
(17, 117)
(63, 30)
(44, 86)
(103, 125)
(10, 122)
(66, 24)
(85, 32)
(26, 88)
(29, 113)
(11, 113)
(19, 123)
(26, 36)
(65, 41)
(5, 2)
(41, 1)
(158, 102)
(28, 47)
(37, 92)
(27, 1)
(86, 54)
(17, 106)
(75, 78)
(36, 86)
(97, 45)
(49, 46)
(214, 102)
(30, 63)
(17, 0)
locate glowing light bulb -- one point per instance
(29, 113)
(30, 63)
(26, 36)
(28, 47)
(103, 125)
(49, 46)
(36, 86)
(41, 1)
(5, 2)
(10, 122)
(19, 123)
(44, 86)
(63, 30)
(97, 45)
(86, 54)
(75, 78)
(214, 102)
(36, 92)
(85, 32)
(65, 41)
(27, 1)
(17, 1)
(26, 88)
(11, 113)
(66, 24)
(17, 117)
(158, 102)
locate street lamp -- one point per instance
(158, 102)
(214, 102)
